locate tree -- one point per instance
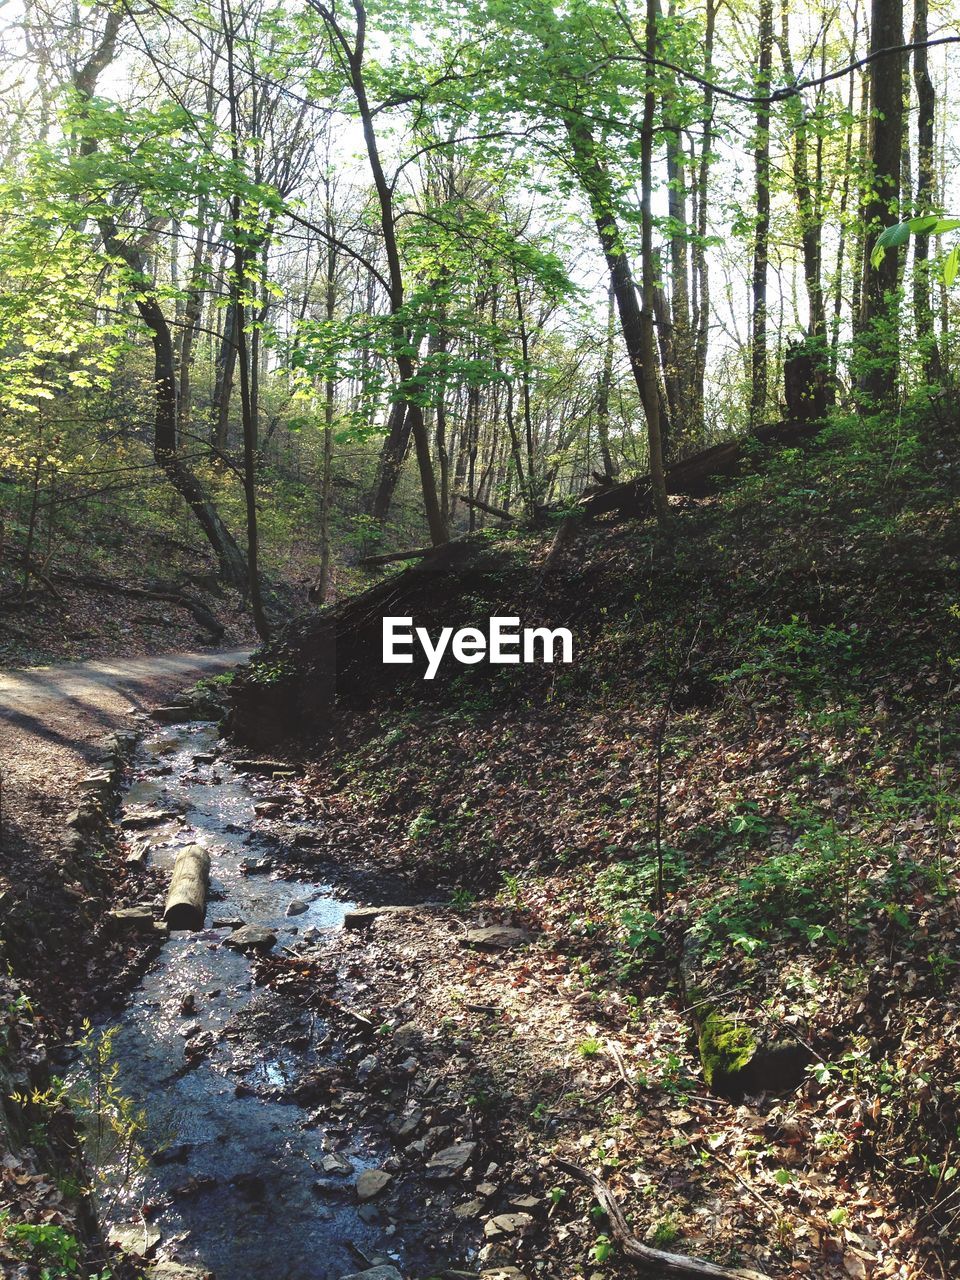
(878, 330)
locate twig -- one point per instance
(621, 1067)
(656, 1260)
(713, 1155)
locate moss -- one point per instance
(725, 1048)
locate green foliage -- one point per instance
(421, 826)
(928, 224)
(49, 1247)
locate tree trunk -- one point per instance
(648, 341)
(879, 346)
(223, 379)
(761, 242)
(232, 564)
(399, 337)
(811, 231)
(598, 188)
(700, 309)
(926, 194)
(604, 384)
(186, 905)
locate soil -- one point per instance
(51, 719)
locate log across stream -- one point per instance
(229, 1168)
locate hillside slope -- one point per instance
(732, 822)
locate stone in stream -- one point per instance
(469, 1209)
(371, 1182)
(137, 857)
(255, 866)
(336, 1163)
(259, 766)
(147, 818)
(297, 907)
(135, 1237)
(100, 784)
(137, 918)
(375, 1273)
(404, 1129)
(178, 714)
(169, 1270)
(451, 1160)
(251, 937)
(507, 1224)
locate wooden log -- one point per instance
(567, 531)
(186, 905)
(388, 557)
(694, 476)
(484, 506)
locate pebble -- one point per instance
(507, 1224)
(375, 1273)
(451, 1160)
(371, 1182)
(251, 936)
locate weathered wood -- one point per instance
(656, 1261)
(388, 557)
(186, 905)
(567, 532)
(484, 506)
(693, 477)
(160, 592)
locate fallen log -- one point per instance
(388, 557)
(498, 512)
(693, 477)
(657, 1261)
(186, 905)
(567, 532)
(200, 612)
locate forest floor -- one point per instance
(784, 662)
(84, 623)
(793, 647)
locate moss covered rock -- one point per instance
(726, 1048)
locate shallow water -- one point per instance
(212, 1059)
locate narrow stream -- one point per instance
(234, 1179)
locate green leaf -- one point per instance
(952, 265)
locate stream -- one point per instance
(233, 1179)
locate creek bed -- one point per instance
(233, 1178)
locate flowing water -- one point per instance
(233, 1162)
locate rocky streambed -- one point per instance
(256, 1151)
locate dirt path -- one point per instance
(50, 719)
(66, 704)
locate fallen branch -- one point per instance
(568, 530)
(484, 506)
(693, 476)
(388, 557)
(621, 1066)
(200, 612)
(656, 1260)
